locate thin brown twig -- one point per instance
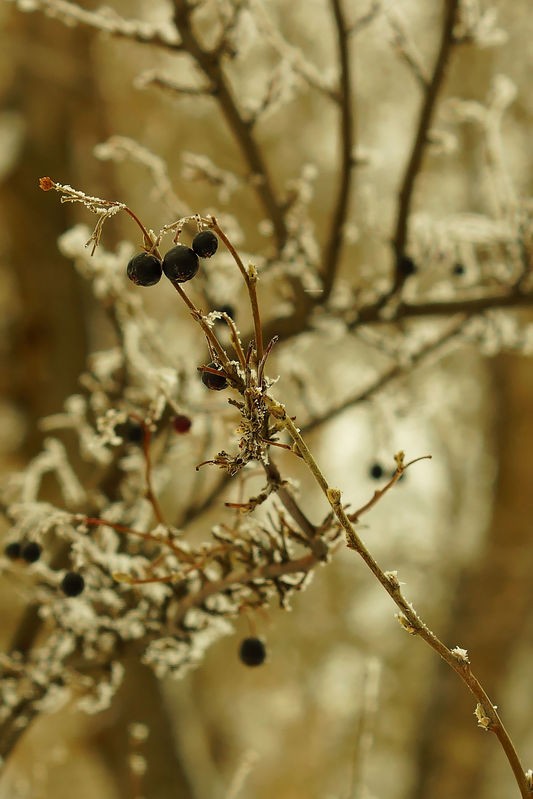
(150, 493)
(250, 278)
(380, 492)
(513, 298)
(390, 374)
(335, 240)
(420, 141)
(93, 521)
(210, 64)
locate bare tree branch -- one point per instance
(210, 64)
(334, 243)
(414, 164)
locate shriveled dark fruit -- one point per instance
(72, 584)
(216, 382)
(31, 552)
(180, 264)
(181, 423)
(252, 651)
(144, 269)
(205, 244)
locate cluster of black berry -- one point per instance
(180, 264)
(30, 552)
(72, 583)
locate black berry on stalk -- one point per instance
(72, 584)
(216, 382)
(205, 244)
(144, 269)
(252, 651)
(31, 552)
(376, 471)
(180, 264)
(13, 550)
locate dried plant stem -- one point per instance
(421, 138)
(210, 336)
(150, 493)
(210, 64)
(250, 278)
(486, 711)
(380, 492)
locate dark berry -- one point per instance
(144, 269)
(13, 550)
(130, 431)
(180, 264)
(406, 266)
(31, 552)
(458, 270)
(252, 652)
(181, 423)
(205, 244)
(215, 382)
(376, 471)
(72, 584)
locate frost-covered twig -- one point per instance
(212, 68)
(105, 20)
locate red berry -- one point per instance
(181, 423)
(205, 244)
(216, 382)
(144, 269)
(180, 264)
